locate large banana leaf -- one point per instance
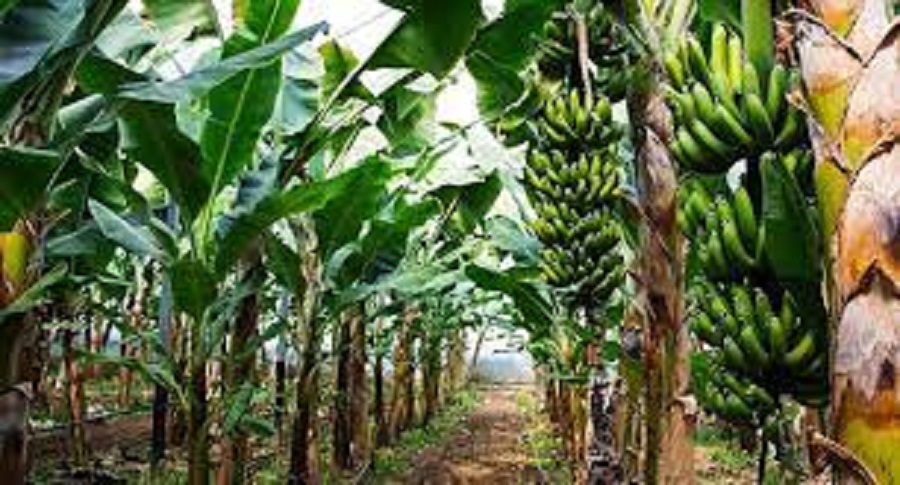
(792, 241)
(40, 38)
(179, 18)
(219, 76)
(285, 264)
(150, 134)
(130, 236)
(432, 36)
(512, 38)
(333, 198)
(146, 111)
(536, 311)
(193, 287)
(507, 235)
(339, 63)
(470, 203)
(382, 247)
(241, 106)
(339, 222)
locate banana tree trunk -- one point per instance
(551, 400)
(401, 412)
(197, 432)
(660, 278)
(281, 373)
(15, 400)
(431, 373)
(456, 361)
(341, 429)
(75, 398)
(359, 386)
(304, 465)
(244, 366)
(567, 420)
(304, 454)
(848, 55)
(382, 430)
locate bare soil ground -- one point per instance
(102, 435)
(487, 449)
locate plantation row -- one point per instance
(284, 254)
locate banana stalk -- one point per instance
(848, 58)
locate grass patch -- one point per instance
(543, 444)
(398, 458)
(723, 459)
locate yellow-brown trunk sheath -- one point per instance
(851, 73)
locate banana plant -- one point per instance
(657, 310)
(848, 65)
(46, 45)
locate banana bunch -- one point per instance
(582, 255)
(735, 399)
(570, 122)
(562, 188)
(726, 232)
(773, 348)
(724, 109)
(572, 176)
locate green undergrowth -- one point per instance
(543, 444)
(398, 458)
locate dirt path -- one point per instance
(487, 449)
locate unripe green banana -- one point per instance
(734, 357)
(751, 81)
(695, 157)
(718, 60)
(791, 130)
(761, 398)
(762, 308)
(742, 303)
(777, 337)
(705, 329)
(603, 111)
(552, 134)
(753, 349)
(722, 150)
(803, 352)
(729, 125)
(737, 409)
(678, 152)
(745, 217)
(759, 118)
(736, 63)
(706, 106)
(685, 106)
(574, 102)
(697, 59)
(776, 92)
(675, 70)
(735, 247)
(721, 87)
(789, 313)
(717, 253)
